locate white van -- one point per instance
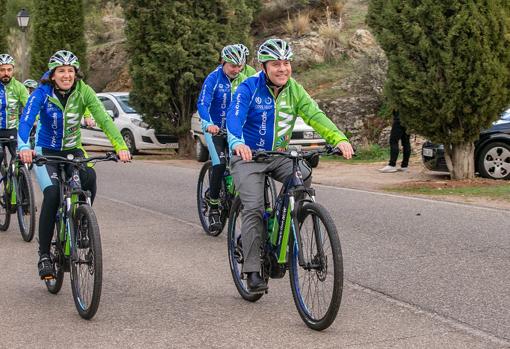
(136, 133)
(303, 136)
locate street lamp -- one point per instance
(23, 19)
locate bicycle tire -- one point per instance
(321, 273)
(55, 285)
(202, 195)
(88, 249)
(25, 204)
(5, 200)
(235, 253)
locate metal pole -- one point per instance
(23, 55)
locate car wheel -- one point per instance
(494, 161)
(201, 151)
(314, 161)
(129, 139)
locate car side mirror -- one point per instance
(110, 112)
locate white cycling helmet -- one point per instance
(6, 59)
(29, 83)
(275, 50)
(233, 54)
(245, 49)
(63, 57)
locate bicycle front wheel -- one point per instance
(317, 280)
(25, 205)
(235, 252)
(87, 268)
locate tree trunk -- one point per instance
(460, 159)
(185, 144)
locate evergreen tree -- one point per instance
(173, 45)
(57, 25)
(448, 69)
(3, 26)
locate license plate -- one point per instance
(428, 152)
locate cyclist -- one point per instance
(31, 85)
(13, 96)
(262, 117)
(61, 100)
(212, 105)
(247, 69)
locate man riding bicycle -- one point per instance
(212, 105)
(61, 100)
(13, 96)
(31, 85)
(262, 116)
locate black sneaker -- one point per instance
(214, 220)
(45, 267)
(256, 284)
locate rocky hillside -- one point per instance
(337, 59)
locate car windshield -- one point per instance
(124, 104)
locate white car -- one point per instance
(136, 133)
(303, 136)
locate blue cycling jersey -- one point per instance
(215, 97)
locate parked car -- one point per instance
(303, 136)
(136, 133)
(492, 151)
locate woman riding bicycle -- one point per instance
(212, 105)
(61, 100)
(262, 117)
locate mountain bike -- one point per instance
(301, 237)
(227, 194)
(76, 243)
(16, 194)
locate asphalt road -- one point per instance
(419, 274)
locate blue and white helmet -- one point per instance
(29, 83)
(6, 59)
(275, 50)
(63, 57)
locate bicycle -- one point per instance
(76, 242)
(17, 195)
(301, 237)
(227, 194)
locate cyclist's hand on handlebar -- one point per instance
(27, 155)
(124, 155)
(243, 151)
(213, 129)
(346, 149)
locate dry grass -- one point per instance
(335, 6)
(331, 34)
(299, 25)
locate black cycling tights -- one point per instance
(216, 178)
(50, 206)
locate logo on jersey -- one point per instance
(269, 100)
(258, 100)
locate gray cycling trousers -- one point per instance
(249, 181)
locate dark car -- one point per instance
(492, 151)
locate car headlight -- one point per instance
(139, 123)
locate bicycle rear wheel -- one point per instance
(25, 205)
(203, 198)
(235, 252)
(317, 284)
(58, 260)
(87, 270)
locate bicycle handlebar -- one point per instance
(41, 160)
(299, 154)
